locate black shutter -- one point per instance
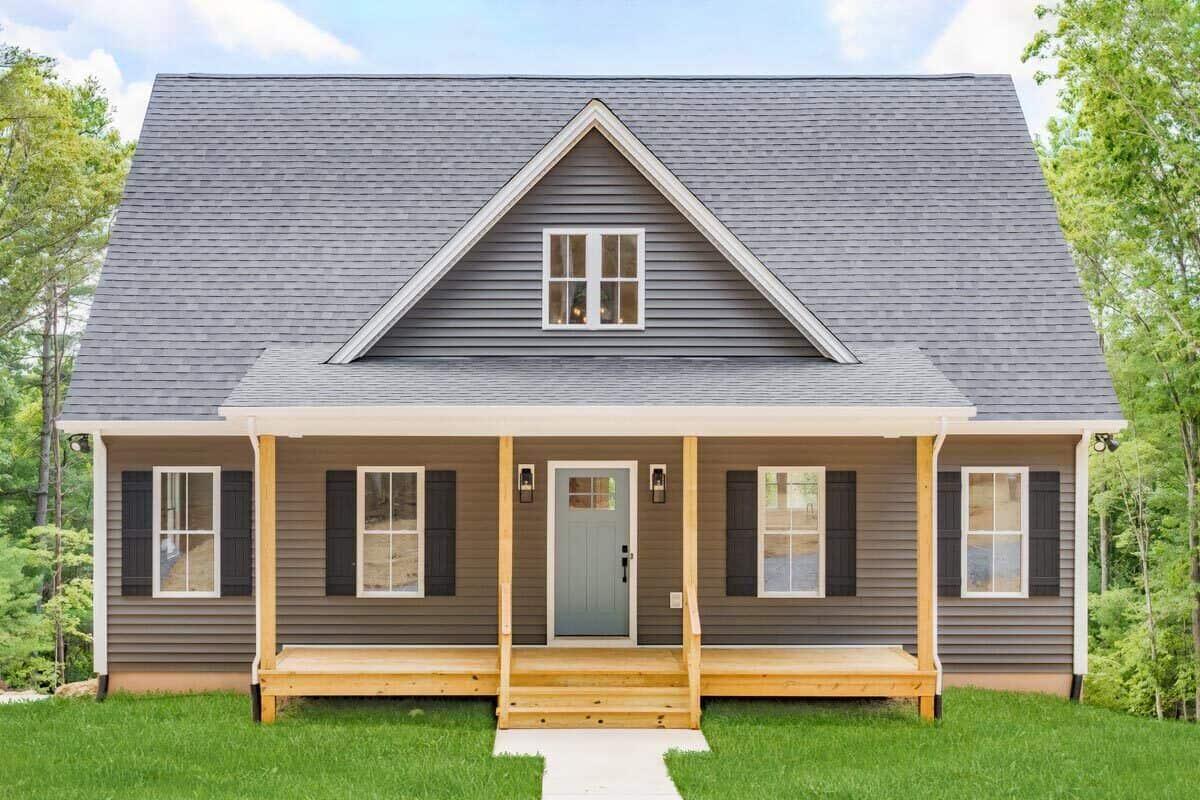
(741, 533)
(439, 532)
(137, 527)
(341, 525)
(841, 527)
(237, 546)
(1045, 528)
(949, 534)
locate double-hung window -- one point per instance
(187, 531)
(593, 279)
(791, 531)
(391, 532)
(995, 529)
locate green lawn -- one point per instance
(990, 745)
(205, 746)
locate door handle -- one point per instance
(624, 569)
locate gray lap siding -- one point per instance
(1027, 635)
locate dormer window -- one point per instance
(593, 279)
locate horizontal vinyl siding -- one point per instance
(659, 557)
(884, 609)
(490, 303)
(1022, 635)
(307, 616)
(147, 633)
(976, 636)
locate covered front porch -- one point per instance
(574, 682)
(596, 687)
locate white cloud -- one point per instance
(269, 29)
(128, 99)
(874, 27)
(989, 36)
(96, 28)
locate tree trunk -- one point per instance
(1194, 570)
(1103, 550)
(60, 642)
(41, 514)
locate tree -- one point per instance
(1124, 168)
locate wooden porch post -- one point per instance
(926, 596)
(266, 565)
(504, 570)
(691, 607)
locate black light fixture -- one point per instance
(1105, 441)
(80, 443)
(525, 483)
(658, 483)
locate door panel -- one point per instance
(591, 520)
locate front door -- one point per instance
(591, 552)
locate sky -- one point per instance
(124, 43)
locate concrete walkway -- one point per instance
(586, 764)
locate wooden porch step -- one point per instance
(597, 717)
(608, 698)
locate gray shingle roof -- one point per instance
(284, 210)
(894, 376)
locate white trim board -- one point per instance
(552, 468)
(595, 116)
(99, 555)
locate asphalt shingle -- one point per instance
(283, 210)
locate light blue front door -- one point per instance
(591, 552)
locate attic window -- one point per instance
(593, 279)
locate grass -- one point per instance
(205, 746)
(990, 745)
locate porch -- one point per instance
(596, 687)
(589, 680)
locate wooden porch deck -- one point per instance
(592, 687)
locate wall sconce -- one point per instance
(525, 483)
(658, 483)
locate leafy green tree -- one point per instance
(1124, 167)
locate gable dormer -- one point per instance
(593, 260)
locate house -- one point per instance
(598, 395)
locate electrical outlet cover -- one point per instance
(676, 599)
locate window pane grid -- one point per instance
(593, 280)
(791, 529)
(994, 532)
(186, 531)
(391, 533)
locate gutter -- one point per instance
(937, 658)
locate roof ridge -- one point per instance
(532, 77)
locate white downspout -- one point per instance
(100, 556)
(253, 434)
(1080, 590)
(937, 448)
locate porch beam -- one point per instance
(926, 572)
(691, 608)
(504, 564)
(266, 566)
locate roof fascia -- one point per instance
(595, 116)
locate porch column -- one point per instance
(266, 565)
(691, 607)
(926, 572)
(504, 563)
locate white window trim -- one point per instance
(593, 278)
(762, 529)
(967, 472)
(361, 513)
(156, 539)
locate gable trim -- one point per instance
(595, 116)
